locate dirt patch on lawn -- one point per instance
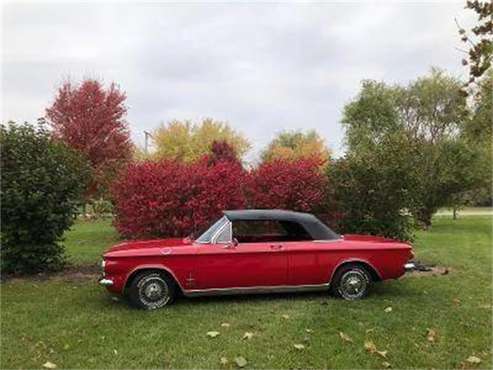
(71, 273)
(431, 271)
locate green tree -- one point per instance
(187, 141)
(431, 113)
(371, 190)
(42, 185)
(480, 127)
(296, 145)
(479, 133)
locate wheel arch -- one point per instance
(159, 268)
(375, 274)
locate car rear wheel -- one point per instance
(151, 290)
(351, 282)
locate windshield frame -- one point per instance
(210, 235)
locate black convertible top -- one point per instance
(317, 229)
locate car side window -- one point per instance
(262, 231)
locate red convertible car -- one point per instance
(253, 251)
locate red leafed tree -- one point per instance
(169, 198)
(91, 119)
(222, 151)
(297, 185)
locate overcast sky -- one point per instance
(263, 67)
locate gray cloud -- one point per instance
(263, 67)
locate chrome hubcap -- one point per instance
(153, 291)
(353, 284)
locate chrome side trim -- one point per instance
(256, 290)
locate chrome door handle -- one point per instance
(276, 246)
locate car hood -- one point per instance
(147, 247)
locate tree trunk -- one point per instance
(423, 217)
(454, 213)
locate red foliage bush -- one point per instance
(298, 185)
(173, 199)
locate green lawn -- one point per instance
(75, 324)
(87, 240)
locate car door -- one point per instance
(246, 264)
(310, 262)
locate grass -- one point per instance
(467, 211)
(75, 324)
(87, 240)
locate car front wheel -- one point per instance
(151, 290)
(351, 282)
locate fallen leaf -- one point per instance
(285, 317)
(370, 330)
(456, 300)
(223, 361)
(382, 353)
(487, 306)
(431, 335)
(386, 364)
(212, 334)
(345, 337)
(49, 365)
(473, 360)
(225, 325)
(66, 346)
(388, 309)
(370, 346)
(247, 335)
(299, 347)
(115, 351)
(309, 330)
(306, 339)
(240, 361)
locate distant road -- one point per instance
(470, 211)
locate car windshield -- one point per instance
(206, 237)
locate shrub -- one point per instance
(42, 184)
(169, 198)
(373, 192)
(297, 185)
